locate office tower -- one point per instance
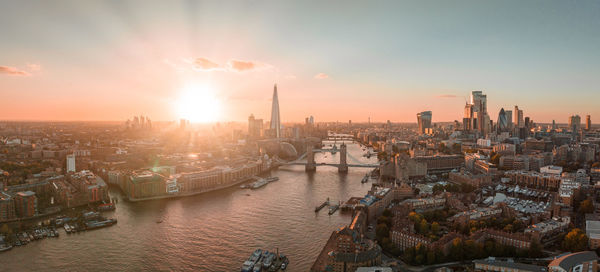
(502, 122)
(476, 112)
(527, 122)
(71, 163)
(518, 121)
(479, 101)
(574, 123)
(254, 127)
(275, 121)
(311, 120)
(424, 121)
(588, 122)
(509, 118)
(553, 125)
(468, 117)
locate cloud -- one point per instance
(446, 96)
(240, 65)
(205, 65)
(11, 71)
(34, 67)
(321, 76)
(290, 77)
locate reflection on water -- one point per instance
(216, 231)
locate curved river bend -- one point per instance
(215, 231)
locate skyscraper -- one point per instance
(424, 121)
(588, 122)
(275, 121)
(502, 121)
(574, 123)
(518, 121)
(476, 116)
(509, 118)
(254, 127)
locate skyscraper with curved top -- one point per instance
(275, 121)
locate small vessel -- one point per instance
(159, 221)
(260, 183)
(285, 262)
(365, 179)
(5, 247)
(247, 266)
(100, 224)
(107, 207)
(256, 255)
(268, 261)
(333, 208)
(257, 267)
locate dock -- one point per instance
(318, 208)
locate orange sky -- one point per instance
(103, 61)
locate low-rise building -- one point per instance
(584, 261)
(505, 265)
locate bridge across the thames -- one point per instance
(310, 164)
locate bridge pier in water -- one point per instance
(310, 166)
(343, 166)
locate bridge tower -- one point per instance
(343, 166)
(311, 166)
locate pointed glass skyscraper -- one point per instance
(275, 121)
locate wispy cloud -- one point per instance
(446, 96)
(290, 77)
(245, 66)
(321, 76)
(34, 67)
(206, 65)
(12, 71)
(241, 66)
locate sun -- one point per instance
(198, 103)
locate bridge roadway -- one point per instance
(335, 164)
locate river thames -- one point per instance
(215, 231)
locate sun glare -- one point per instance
(199, 104)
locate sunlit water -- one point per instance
(215, 231)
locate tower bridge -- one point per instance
(310, 165)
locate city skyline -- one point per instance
(394, 63)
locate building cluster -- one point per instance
(509, 180)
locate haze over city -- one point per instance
(101, 60)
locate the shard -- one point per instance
(275, 121)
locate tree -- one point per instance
(387, 213)
(535, 250)
(382, 231)
(5, 230)
(586, 206)
(575, 241)
(423, 227)
(435, 228)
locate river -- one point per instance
(215, 231)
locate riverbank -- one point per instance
(190, 193)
